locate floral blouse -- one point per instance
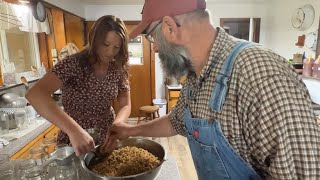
(86, 98)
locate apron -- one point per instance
(213, 156)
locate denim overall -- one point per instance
(213, 156)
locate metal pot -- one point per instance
(149, 145)
(6, 99)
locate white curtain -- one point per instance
(8, 18)
(29, 23)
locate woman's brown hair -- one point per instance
(97, 35)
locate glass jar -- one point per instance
(49, 143)
(4, 123)
(21, 119)
(36, 173)
(23, 167)
(66, 172)
(6, 167)
(39, 154)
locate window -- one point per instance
(135, 48)
(20, 48)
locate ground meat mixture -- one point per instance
(126, 161)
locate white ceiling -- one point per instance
(140, 2)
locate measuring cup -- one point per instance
(62, 156)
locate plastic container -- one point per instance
(316, 68)
(307, 66)
(162, 103)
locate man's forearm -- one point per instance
(160, 127)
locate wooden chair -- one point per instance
(150, 112)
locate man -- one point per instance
(245, 112)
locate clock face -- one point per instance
(298, 18)
(302, 18)
(40, 12)
(311, 40)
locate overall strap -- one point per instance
(220, 90)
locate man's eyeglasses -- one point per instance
(149, 37)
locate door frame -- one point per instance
(152, 62)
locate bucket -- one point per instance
(162, 103)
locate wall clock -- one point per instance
(311, 40)
(38, 10)
(302, 18)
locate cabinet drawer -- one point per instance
(174, 94)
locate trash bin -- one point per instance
(162, 103)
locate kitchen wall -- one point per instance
(281, 35)
(276, 31)
(72, 6)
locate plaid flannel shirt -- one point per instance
(267, 116)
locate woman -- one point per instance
(90, 81)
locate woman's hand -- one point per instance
(81, 141)
(118, 131)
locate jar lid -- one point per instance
(27, 164)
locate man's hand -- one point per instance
(118, 131)
(81, 141)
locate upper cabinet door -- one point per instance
(242, 28)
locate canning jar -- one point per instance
(21, 119)
(23, 166)
(4, 123)
(66, 172)
(36, 173)
(49, 143)
(39, 154)
(6, 167)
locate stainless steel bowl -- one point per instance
(153, 147)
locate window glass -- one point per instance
(19, 48)
(136, 51)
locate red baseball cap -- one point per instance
(154, 10)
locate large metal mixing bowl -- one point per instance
(153, 147)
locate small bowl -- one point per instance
(94, 133)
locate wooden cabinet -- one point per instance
(172, 95)
(24, 153)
